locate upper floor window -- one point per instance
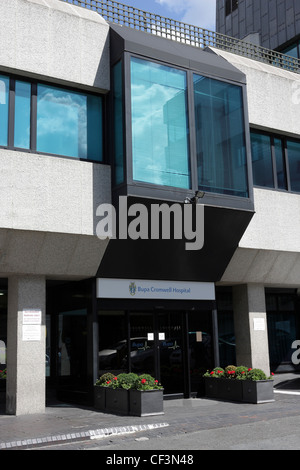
(220, 137)
(175, 144)
(50, 119)
(230, 6)
(160, 148)
(275, 161)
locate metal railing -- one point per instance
(115, 12)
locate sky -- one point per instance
(195, 12)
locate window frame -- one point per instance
(284, 139)
(149, 190)
(33, 117)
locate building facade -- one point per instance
(150, 209)
(274, 24)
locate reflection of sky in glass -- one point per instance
(61, 122)
(159, 124)
(69, 123)
(4, 88)
(22, 115)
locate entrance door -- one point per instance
(156, 348)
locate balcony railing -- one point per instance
(115, 12)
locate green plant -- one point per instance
(3, 374)
(147, 382)
(256, 374)
(241, 373)
(217, 373)
(230, 372)
(127, 381)
(105, 379)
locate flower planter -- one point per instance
(145, 402)
(260, 391)
(117, 401)
(100, 398)
(247, 391)
(225, 389)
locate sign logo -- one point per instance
(132, 288)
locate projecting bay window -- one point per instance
(186, 132)
(50, 119)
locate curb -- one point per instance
(80, 436)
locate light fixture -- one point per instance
(194, 200)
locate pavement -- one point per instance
(69, 427)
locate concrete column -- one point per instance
(25, 387)
(250, 323)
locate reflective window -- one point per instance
(22, 114)
(69, 123)
(293, 149)
(4, 91)
(280, 164)
(160, 150)
(220, 137)
(118, 123)
(262, 160)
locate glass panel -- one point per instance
(72, 349)
(280, 164)
(141, 345)
(171, 352)
(118, 124)
(22, 114)
(4, 93)
(69, 123)
(220, 137)
(294, 164)
(160, 150)
(113, 348)
(200, 346)
(282, 333)
(262, 160)
(291, 51)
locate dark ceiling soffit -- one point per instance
(125, 39)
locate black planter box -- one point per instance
(100, 398)
(247, 391)
(260, 391)
(145, 402)
(128, 402)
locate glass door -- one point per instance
(142, 343)
(171, 352)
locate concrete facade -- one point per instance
(48, 204)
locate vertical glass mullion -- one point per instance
(11, 114)
(33, 117)
(274, 166)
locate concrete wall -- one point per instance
(54, 40)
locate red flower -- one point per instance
(115, 378)
(212, 372)
(272, 373)
(108, 382)
(143, 381)
(156, 381)
(249, 369)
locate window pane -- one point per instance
(280, 164)
(160, 152)
(22, 115)
(220, 137)
(118, 124)
(294, 164)
(4, 89)
(69, 123)
(262, 160)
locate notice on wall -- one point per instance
(259, 324)
(31, 328)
